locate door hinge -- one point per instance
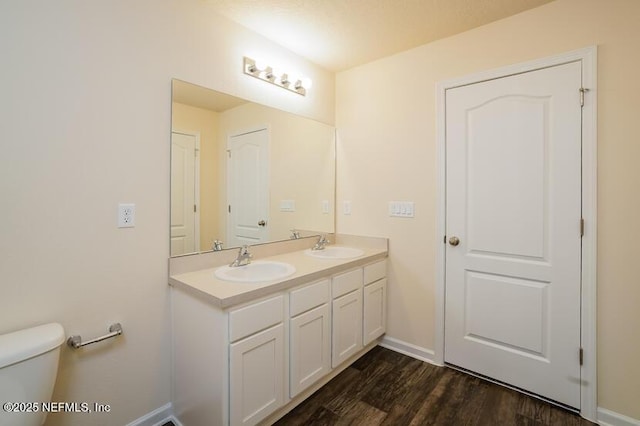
(581, 356)
(582, 227)
(229, 208)
(195, 209)
(229, 153)
(582, 92)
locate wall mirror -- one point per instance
(245, 173)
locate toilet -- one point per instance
(28, 369)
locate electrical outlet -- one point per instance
(126, 215)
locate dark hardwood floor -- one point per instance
(387, 388)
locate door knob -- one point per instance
(454, 241)
(262, 223)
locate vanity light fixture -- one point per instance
(276, 77)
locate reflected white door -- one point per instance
(248, 188)
(184, 193)
(513, 201)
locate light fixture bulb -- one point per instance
(260, 65)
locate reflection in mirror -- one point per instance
(244, 173)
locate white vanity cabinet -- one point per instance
(374, 301)
(249, 362)
(256, 361)
(310, 330)
(346, 331)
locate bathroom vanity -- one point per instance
(248, 352)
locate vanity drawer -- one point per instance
(308, 297)
(255, 317)
(375, 271)
(346, 283)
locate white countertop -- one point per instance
(204, 284)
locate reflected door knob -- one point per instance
(454, 241)
(262, 223)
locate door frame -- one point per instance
(196, 183)
(588, 58)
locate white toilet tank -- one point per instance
(28, 369)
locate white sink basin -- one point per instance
(260, 270)
(335, 252)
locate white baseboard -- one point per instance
(157, 417)
(414, 351)
(611, 418)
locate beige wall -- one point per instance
(85, 119)
(386, 122)
(188, 118)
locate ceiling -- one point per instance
(341, 34)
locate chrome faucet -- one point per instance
(322, 241)
(295, 235)
(244, 257)
(217, 245)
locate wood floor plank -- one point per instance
(432, 404)
(391, 387)
(369, 377)
(362, 414)
(341, 383)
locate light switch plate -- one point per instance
(346, 207)
(287, 205)
(401, 208)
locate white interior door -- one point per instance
(513, 202)
(184, 193)
(248, 188)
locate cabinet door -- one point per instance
(375, 310)
(256, 378)
(346, 327)
(310, 347)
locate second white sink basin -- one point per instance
(260, 270)
(335, 252)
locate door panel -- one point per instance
(256, 378)
(518, 323)
(512, 309)
(374, 311)
(310, 347)
(183, 194)
(248, 188)
(518, 153)
(346, 336)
